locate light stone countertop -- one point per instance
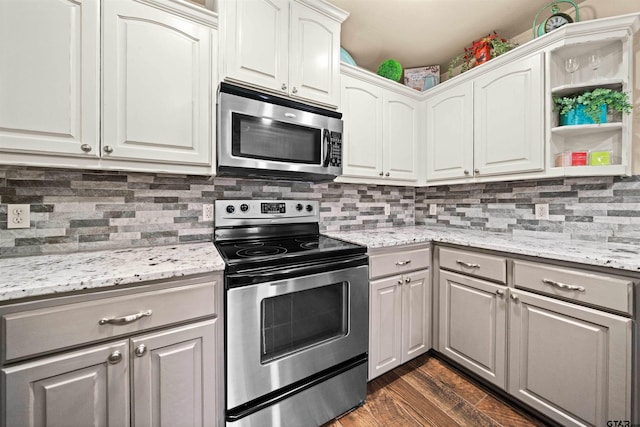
(620, 256)
(40, 275)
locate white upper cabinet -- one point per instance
(50, 77)
(449, 133)
(509, 118)
(382, 130)
(157, 102)
(289, 47)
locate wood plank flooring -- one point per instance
(429, 392)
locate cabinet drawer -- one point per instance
(487, 266)
(399, 262)
(41, 330)
(606, 291)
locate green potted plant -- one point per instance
(590, 107)
(481, 51)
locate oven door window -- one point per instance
(299, 320)
(267, 139)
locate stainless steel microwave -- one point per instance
(265, 136)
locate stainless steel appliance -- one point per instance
(296, 320)
(265, 136)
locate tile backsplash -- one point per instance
(75, 210)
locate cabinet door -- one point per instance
(49, 77)
(416, 314)
(569, 362)
(256, 42)
(175, 376)
(401, 137)
(314, 61)
(362, 115)
(449, 134)
(472, 328)
(385, 325)
(509, 118)
(157, 85)
(79, 387)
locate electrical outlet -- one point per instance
(433, 209)
(387, 209)
(542, 211)
(207, 212)
(18, 216)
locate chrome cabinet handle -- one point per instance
(564, 286)
(405, 262)
(515, 298)
(381, 173)
(476, 170)
(86, 148)
(125, 319)
(386, 174)
(108, 149)
(400, 282)
(466, 264)
(140, 350)
(500, 293)
(466, 171)
(294, 90)
(284, 86)
(114, 357)
(407, 280)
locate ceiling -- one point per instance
(429, 32)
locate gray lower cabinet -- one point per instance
(571, 363)
(473, 325)
(168, 373)
(399, 309)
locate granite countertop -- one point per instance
(52, 274)
(620, 256)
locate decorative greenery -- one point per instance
(614, 100)
(391, 69)
(497, 45)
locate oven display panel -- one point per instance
(273, 208)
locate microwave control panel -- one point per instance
(336, 149)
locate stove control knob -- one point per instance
(230, 209)
(309, 208)
(299, 207)
(244, 207)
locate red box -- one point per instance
(579, 158)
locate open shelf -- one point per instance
(615, 84)
(579, 130)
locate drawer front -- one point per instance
(399, 262)
(42, 330)
(598, 289)
(486, 266)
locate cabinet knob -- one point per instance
(500, 293)
(294, 90)
(86, 148)
(108, 149)
(400, 282)
(407, 280)
(466, 171)
(515, 298)
(476, 170)
(386, 174)
(115, 357)
(284, 86)
(381, 173)
(140, 350)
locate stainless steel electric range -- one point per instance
(296, 328)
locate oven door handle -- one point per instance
(326, 139)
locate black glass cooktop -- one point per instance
(308, 247)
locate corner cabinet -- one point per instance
(382, 130)
(400, 308)
(492, 125)
(151, 107)
(295, 53)
(162, 365)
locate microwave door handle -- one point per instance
(326, 139)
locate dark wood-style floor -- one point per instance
(429, 392)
